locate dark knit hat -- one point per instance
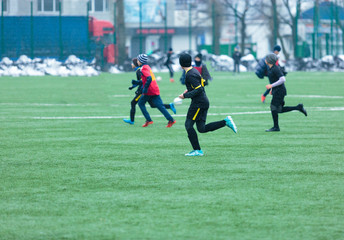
(171, 50)
(271, 58)
(185, 60)
(135, 62)
(277, 48)
(199, 56)
(143, 58)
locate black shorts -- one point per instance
(197, 114)
(277, 101)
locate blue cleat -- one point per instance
(195, 153)
(173, 108)
(128, 121)
(230, 123)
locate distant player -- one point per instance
(277, 79)
(138, 94)
(237, 58)
(201, 68)
(151, 93)
(169, 63)
(199, 106)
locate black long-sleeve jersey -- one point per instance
(274, 74)
(138, 73)
(138, 82)
(195, 87)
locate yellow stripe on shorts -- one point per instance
(136, 99)
(196, 114)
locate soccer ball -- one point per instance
(178, 100)
(158, 78)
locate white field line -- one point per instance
(182, 115)
(50, 104)
(140, 116)
(123, 95)
(96, 105)
(240, 107)
(57, 104)
(315, 96)
(304, 96)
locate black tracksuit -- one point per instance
(278, 94)
(236, 57)
(138, 93)
(198, 108)
(169, 63)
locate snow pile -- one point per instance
(249, 62)
(25, 66)
(326, 63)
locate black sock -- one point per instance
(192, 135)
(167, 106)
(275, 118)
(132, 115)
(214, 125)
(288, 109)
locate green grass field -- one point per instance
(72, 169)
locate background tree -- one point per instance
(217, 24)
(274, 17)
(339, 21)
(239, 10)
(276, 23)
(122, 52)
(292, 21)
(211, 14)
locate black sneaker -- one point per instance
(273, 129)
(302, 109)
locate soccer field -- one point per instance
(72, 169)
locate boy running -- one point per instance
(199, 106)
(138, 94)
(277, 79)
(151, 93)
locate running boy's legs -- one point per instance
(167, 106)
(157, 102)
(192, 135)
(199, 115)
(133, 107)
(277, 106)
(142, 102)
(203, 128)
(277, 103)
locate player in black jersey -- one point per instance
(277, 79)
(138, 92)
(199, 106)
